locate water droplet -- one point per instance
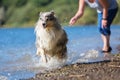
(9, 74)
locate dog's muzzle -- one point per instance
(44, 25)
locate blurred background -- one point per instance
(24, 13)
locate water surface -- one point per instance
(17, 49)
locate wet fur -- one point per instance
(51, 39)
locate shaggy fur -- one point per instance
(51, 39)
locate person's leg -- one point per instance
(106, 42)
(105, 32)
(105, 39)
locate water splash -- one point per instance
(53, 63)
(3, 77)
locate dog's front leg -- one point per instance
(38, 52)
(43, 56)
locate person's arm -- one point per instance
(79, 13)
(105, 6)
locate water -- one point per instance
(17, 49)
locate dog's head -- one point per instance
(47, 19)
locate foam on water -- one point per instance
(3, 77)
(53, 63)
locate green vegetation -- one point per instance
(26, 12)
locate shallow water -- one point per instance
(17, 49)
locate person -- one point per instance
(107, 10)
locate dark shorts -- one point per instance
(111, 15)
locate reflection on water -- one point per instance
(17, 49)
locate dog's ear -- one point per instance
(40, 13)
(52, 12)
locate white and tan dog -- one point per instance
(51, 39)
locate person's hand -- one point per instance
(104, 23)
(73, 20)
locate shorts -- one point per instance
(111, 15)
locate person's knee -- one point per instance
(105, 31)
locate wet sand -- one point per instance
(105, 70)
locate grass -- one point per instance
(27, 14)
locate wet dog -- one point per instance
(51, 39)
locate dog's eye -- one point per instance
(41, 18)
(49, 18)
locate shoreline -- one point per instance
(103, 70)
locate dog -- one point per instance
(51, 38)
